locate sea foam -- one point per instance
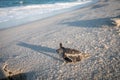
(14, 16)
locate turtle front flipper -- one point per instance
(67, 59)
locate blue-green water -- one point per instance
(11, 3)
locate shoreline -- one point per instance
(59, 12)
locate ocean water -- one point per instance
(18, 12)
(10, 3)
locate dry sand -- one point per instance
(28, 51)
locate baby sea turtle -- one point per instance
(70, 55)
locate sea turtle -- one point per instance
(70, 55)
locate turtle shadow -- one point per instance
(41, 49)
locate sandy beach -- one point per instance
(28, 52)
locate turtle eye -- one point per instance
(59, 51)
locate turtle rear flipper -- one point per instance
(73, 58)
